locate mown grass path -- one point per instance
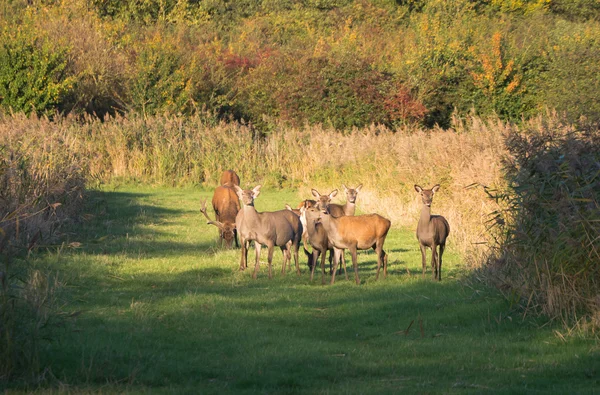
(161, 309)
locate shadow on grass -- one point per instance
(200, 331)
(213, 329)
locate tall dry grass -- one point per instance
(195, 150)
(41, 187)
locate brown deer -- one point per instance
(318, 240)
(348, 208)
(278, 228)
(226, 204)
(354, 233)
(432, 232)
(230, 178)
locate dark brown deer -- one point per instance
(432, 231)
(230, 178)
(354, 233)
(278, 228)
(226, 204)
(348, 208)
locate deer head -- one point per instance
(351, 193)
(323, 200)
(247, 196)
(427, 194)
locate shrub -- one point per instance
(33, 74)
(549, 249)
(570, 83)
(160, 81)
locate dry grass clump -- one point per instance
(42, 179)
(175, 150)
(549, 250)
(41, 187)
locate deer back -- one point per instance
(362, 230)
(226, 204)
(229, 177)
(270, 227)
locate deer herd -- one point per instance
(321, 225)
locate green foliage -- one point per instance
(572, 80)
(32, 73)
(340, 62)
(576, 9)
(160, 81)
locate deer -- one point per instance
(318, 240)
(277, 228)
(298, 212)
(226, 204)
(339, 210)
(354, 233)
(432, 231)
(230, 178)
(348, 208)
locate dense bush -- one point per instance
(548, 253)
(346, 63)
(33, 74)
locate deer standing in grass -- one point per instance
(278, 228)
(432, 231)
(354, 233)
(226, 204)
(317, 235)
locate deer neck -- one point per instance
(425, 215)
(250, 213)
(349, 208)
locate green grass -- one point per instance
(160, 309)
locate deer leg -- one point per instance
(336, 257)
(257, 248)
(442, 248)
(235, 236)
(323, 264)
(423, 258)
(270, 259)
(244, 256)
(295, 248)
(344, 264)
(286, 257)
(379, 251)
(385, 264)
(434, 264)
(355, 263)
(315, 256)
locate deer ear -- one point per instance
(315, 193)
(358, 188)
(256, 191)
(345, 188)
(418, 188)
(288, 207)
(435, 188)
(239, 191)
(333, 193)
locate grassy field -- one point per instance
(157, 307)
